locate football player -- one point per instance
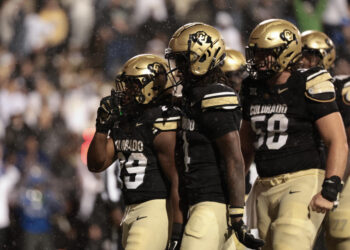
(142, 128)
(319, 50)
(234, 67)
(214, 170)
(283, 109)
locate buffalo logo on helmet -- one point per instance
(156, 68)
(288, 36)
(201, 37)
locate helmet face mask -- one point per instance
(321, 45)
(143, 81)
(280, 41)
(234, 67)
(311, 58)
(262, 63)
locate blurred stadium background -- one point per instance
(57, 59)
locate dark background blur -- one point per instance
(57, 59)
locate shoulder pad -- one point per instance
(345, 93)
(219, 96)
(167, 120)
(319, 85)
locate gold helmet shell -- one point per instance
(149, 72)
(202, 45)
(318, 41)
(281, 37)
(233, 61)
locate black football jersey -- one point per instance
(140, 172)
(209, 112)
(283, 117)
(342, 88)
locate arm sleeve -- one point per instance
(245, 103)
(320, 109)
(220, 122)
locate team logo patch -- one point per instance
(201, 37)
(288, 36)
(156, 68)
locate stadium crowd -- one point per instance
(57, 59)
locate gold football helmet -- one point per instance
(319, 43)
(143, 79)
(234, 61)
(234, 66)
(273, 46)
(197, 48)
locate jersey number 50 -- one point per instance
(271, 131)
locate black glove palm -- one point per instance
(106, 114)
(245, 237)
(176, 236)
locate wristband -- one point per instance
(331, 188)
(235, 211)
(176, 231)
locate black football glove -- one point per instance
(176, 235)
(244, 236)
(107, 114)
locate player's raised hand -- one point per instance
(106, 114)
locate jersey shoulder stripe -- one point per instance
(167, 124)
(319, 86)
(219, 97)
(224, 100)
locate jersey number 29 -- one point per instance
(135, 167)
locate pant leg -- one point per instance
(337, 224)
(146, 226)
(296, 225)
(207, 227)
(263, 214)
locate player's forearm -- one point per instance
(97, 153)
(337, 158)
(236, 182)
(175, 204)
(347, 169)
(247, 139)
(174, 197)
